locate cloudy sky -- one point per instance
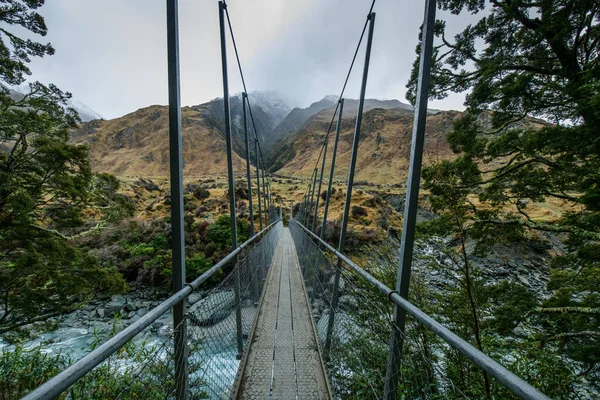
(111, 54)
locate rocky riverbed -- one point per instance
(72, 334)
(212, 328)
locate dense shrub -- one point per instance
(220, 231)
(200, 210)
(188, 204)
(23, 370)
(324, 193)
(373, 202)
(201, 193)
(384, 216)
(358, 211)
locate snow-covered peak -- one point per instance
(85, 112)
(271, 103)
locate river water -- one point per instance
(213, 348)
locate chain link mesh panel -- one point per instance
(141, 369)
(215, 320)
(144, 368)
(354, 325)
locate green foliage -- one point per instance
(201, 193)
(153, 377)
(220, 231)
(521, 60)
(22, 370)
(158, 242)
(541, 366)
(197, 264)
(47, 189)
(509, 303)
(17, 52)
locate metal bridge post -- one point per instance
(264, 198)
(248, 176)
(255, 290)
(302, 211)
(292, 211)
(232, 208)
(176, 172)
(268, 201)
(309, 199)
(258, 183)
(307, 209)
(273, 207)
(328, 198)
(314, 221)
(312, 198)
(411, 202)
(305, 203)
(355, 144)
(332, 170)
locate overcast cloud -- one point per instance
(111, 54)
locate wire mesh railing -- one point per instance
(142, 368)
(354, 324)
(213, 321)
(139, 362)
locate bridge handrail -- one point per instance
(69, 376)
(511, 381)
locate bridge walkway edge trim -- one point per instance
(237, 383)
(239, 378)
(314, 328)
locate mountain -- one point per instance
(138, 143)
(298, 116)
(267, 108)
(271, 103)
(85, 112)
(384, 149)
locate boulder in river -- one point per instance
(212, 309)
(115, 305)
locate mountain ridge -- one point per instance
(137, 143)
(85, 112)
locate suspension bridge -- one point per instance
(294, 317)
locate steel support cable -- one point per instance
(239, 63)
(237, 56)
(262, 158)
(362, 35)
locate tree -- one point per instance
(525, 59)
(49, 195)
(445, 181)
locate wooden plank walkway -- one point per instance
(283, 361)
